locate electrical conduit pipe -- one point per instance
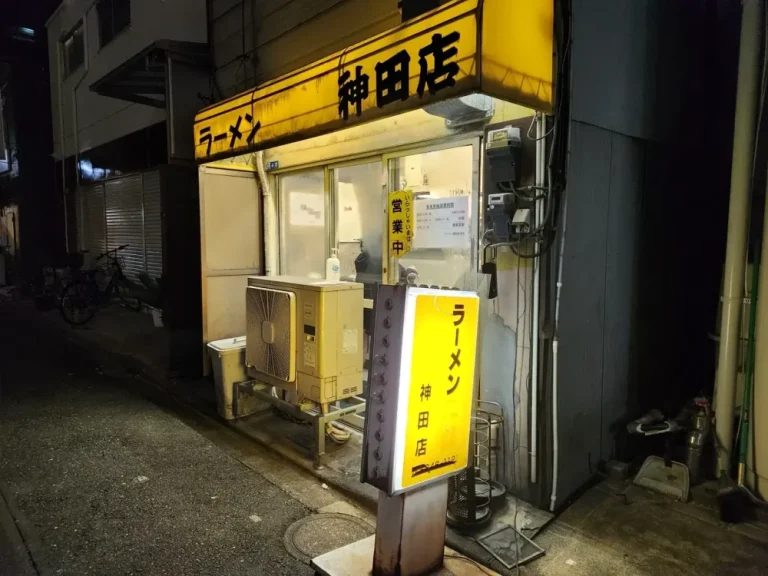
(540, 151)
(555, 347)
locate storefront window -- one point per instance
(303, 226)
(445, 231)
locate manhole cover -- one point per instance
(315, 535)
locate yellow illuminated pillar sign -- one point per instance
(400, 219)
(437, 377)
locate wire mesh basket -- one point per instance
(491, 457)
(472, 493)
(469, 494)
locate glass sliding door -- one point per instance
(359, 200)
(304, 226)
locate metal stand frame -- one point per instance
(312, 415)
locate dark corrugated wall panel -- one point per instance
(287, 34)
(582, 310)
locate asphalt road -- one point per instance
(102, 481)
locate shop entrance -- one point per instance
(343, 206)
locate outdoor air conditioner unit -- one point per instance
(305, 336)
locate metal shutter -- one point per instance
(153, 229)
(93, 221)
(125, 222)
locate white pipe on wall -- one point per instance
(75, 122)
(86, 48)
(268, 210)
(77, 126)
(738, 209)
(62, 143)
(540, 154)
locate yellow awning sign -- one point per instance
(454, 50)
(400, 221)
(436, 393)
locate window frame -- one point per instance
(114, 33)
(476, 142)
(386, 158)
(65, 66)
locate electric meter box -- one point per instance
(504, 149)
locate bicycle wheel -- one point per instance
(79, 302)
(127, 293)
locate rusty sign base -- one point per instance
(409, 540)
(410, 531)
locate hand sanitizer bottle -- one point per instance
(333, 267)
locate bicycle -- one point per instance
(81, 298)
(46, 286)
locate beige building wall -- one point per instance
(100, 119)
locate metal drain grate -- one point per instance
(510, 547)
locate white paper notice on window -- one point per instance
(306, 209)
(442, 223)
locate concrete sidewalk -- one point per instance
(685, 539)
(109, 476)
(120, 337)
(115, 477)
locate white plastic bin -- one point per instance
(228, 360)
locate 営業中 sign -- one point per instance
(400, 222)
